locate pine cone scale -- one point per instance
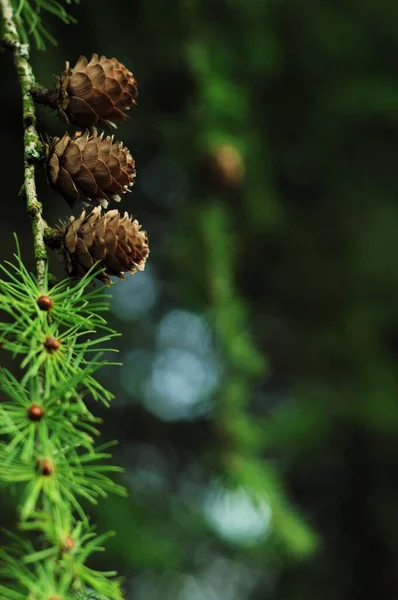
(83, 112)
(112, 87)
(85, 181)
(116, 188)
(105, 149)
(60, 144)
(114, 165)
(102, 175)
(120, 77)
(97, 75)
(110, 240)
(117, 114)
(98, 251)
(53, 168)
(125, 100)
(65, 182)
(123, 178)
(81, 85)
(90, 155)
(70, 240)
(100, 103)
(87, 237)
(113, 264)
(85, 258)
(81, 63)
(72, 161)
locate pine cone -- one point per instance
(90, 168)
(115, 241)
(223, 167)
(95, 92)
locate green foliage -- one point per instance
(72, 321)
(29, 13)
(75, 474)
(70, 419)
(48, 574)
(242, 458)
(51, 452)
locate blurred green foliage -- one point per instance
(257, 407)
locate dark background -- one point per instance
(257, 407)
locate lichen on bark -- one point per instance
(33, 146)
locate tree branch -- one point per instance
(33, 146)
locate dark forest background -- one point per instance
(257, 408)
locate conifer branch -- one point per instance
(32, 145)
(59, 337)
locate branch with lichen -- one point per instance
(32, 145)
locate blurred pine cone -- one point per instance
(96, 92)
(113, 240)
(90, 168)
(223, 167)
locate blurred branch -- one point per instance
(242, 442)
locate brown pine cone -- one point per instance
(223, 167)
(114, 241)
(96, 92)
(90, 168)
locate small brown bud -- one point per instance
(35, 412)
(45, 303)
(51, 344)
(45, 466)
(69, 544)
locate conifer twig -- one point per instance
(49, 431)
(32, 143)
